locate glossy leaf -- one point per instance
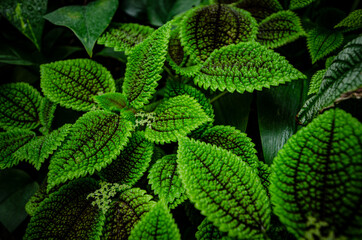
(321, 42)
(175, 118)
(317, 177)
(352, 21)
(10, 142)
(19, 106)
(74, 83)
(144, 67)
(208, 28)
(316, 81)
(342, 76)
(260, 9)
(68, 214)
(296, 4)
(224, 188)
(112, 101)
(124, 36)
(245, 67)
(94, 141)
(87, 22)
(133, 161)
(279, 29)
(156, 224)
(46, 113)
(206, 231)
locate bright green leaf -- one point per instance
(206, 231)
(260, 9)
(316, 81)
(46, 113)
(112, 101)
(352, 21)
(296, 4)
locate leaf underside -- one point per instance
(260, 9)
(316, 81)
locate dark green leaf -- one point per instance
(206, 231)
(352, 21)
(39, 196)
(260, 9)
(112, 101)
(295, 4)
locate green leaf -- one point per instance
(175, 118)
(26, 16)
(36, 199)
(344, 75)
(165, 181)
(316, 81)
(206, 231)
(317, 177)
(74, 83)
(245, 67)
(296, 4)
(225, 188)
(322, 41)
(156, 224)
(352, 21)
(40, 148)
(19, 106)
(94, 141)
(16, 187)
(279, 29)
(144, 67)
(68, 214)
(10, 142)
(46, 113)
(260, 9)
(133, 161)
(112, 101)
(87, 22)
(208, 28)
(124, 36)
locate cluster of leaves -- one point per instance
(145, 145)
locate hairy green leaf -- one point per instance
(144, 67)
(208, 28)
(175, 118)
(87, 22)
(156, 224)
(94, 141)
(344, 75)
(124, 36)
(74, 83)
(245, 67)
(296, 4)
(68, 214)
(260, 9)
(316, 81)
(322, 41)
(206, 231)
(112, 101)
(40, 148)
(225, 188)
(19, 106)
(27, 16)
(165, 181)
(38, 197)
(10, 142)
(133, 161)
(317, 177)
(352, 21)
(279, 29)
(46, 114)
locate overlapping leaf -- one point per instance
(344, 75)
(279, 29)
(19, 106)
(74, 83)
(46, 113)
(317, 177)
(316, 81)
(245, 67)
(175, 118)
(112, 101)
(165, 181)
(94, 141)
(144, 67)
(68, 214)
(133, 161)
(352, 21)
(206, 231)
(156, 224)
(225, 188)
(124, 36)
(296, 4)
(260, 9)
(208, 28)
(39, 196)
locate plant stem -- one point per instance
(218, 96)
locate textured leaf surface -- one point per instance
(352, 21)
(318, 175)
(177, 57)
(316, 81)
(144, 66)
(38, 197)
(39, 149)
(46, 113)
(279, 29)
(206, 231)
(296, 4)
(131, 205)
(74, 83)
(10, 142)
(124, 36)
(260, 9)
(344, 75)
(112, 101)
(245, 67)
(19, 106)
(165, 181)
(94, 141)
(133, 161)
(208, 28)
(175, 118)
(67, 214)
(321, 42)
(224, 188)
(156, 224)
(87, 22)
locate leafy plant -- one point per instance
(192, 122)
